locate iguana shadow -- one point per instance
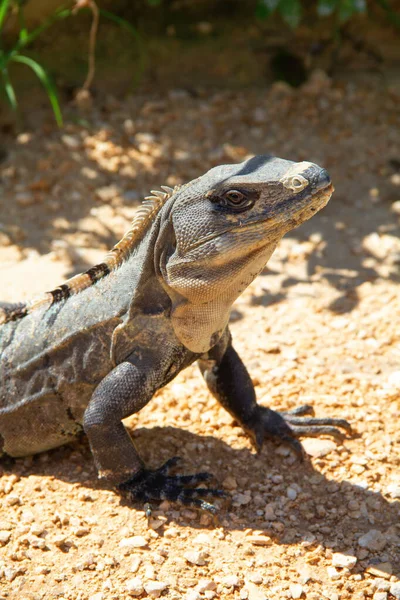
(332, 513)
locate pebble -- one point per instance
(192, 595)
(230, 580)
(255, 577)
(343, 560)
(204, 585)
(134, 586)
(154, 588)
(98, 596)
(380, 596)
(291, 493)
(394, 490)
(229, 483)
(381, 570)
(395, 590)
(333, 573)
(318, 448)
(136, 541)
(195, 557)
(296, 590)
(135, 564)
(4, 537)
(254, 593)
(269, 512)
(259, 540)
(372, 540)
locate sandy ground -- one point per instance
(319, 326)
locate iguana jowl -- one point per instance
(96, 349)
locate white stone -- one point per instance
(318, 447)
(136, 541)
(204, 585)
(291, 493)
(195, 557)
(395, 590)
(380, 596)
(192, 595)
(98, 596)
(230, 580)
(154, 588)
(372, 540)
(296, 590)
(343, 560)
(333, 573)
(394, 490)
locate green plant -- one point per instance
(15, 55)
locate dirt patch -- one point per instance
(319, 326)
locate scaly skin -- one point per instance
(96, 349)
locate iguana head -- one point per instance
(226, 224)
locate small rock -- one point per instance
(395, 590)
(136, 541)
(230, 580)
(154, 588)
(254, 593)
(13, 500)
(318, 447)
(269, 511)
(372, 540)
(296, 590)
(98, 596)
(343, 560)
(135, 564)
(333, 573)
(255, 577)
(4, 537)
(204, 585)
(259, 540)
(195, 557)
(291, 493)
(394, 490)
(192, 595)
(134, 586)
(229, 483)
(380, 596)
(381, 570)
(70, 141)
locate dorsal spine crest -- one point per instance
(114, 258)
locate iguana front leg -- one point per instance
(230, 383)
(124, 391)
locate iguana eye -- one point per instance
(236, 200)
(235, 197)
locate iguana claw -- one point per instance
(286, 426)
(158, 485)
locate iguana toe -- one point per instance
(158, 485)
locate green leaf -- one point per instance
(327, 7)
(59, 14)
(9, 90)
(265, 8)
(3, 11)
(290, 11)
(346, 10)
(46, 81)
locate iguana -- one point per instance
(95, 350)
